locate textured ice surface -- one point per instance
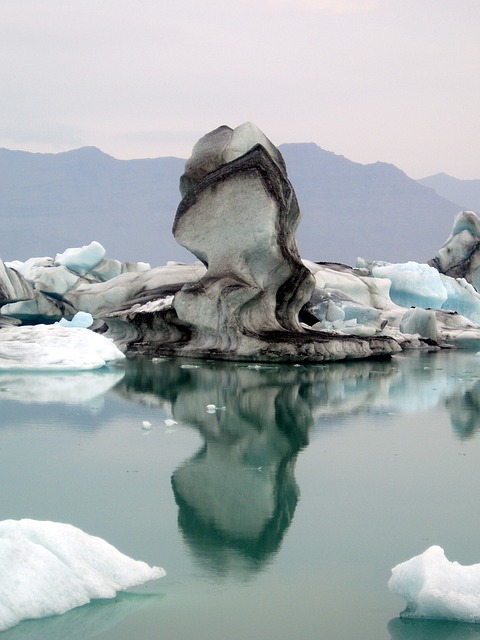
(434, 587)
(413, 284)
(55, 347)
(48, 568)
(81, 260)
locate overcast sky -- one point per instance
(390, 80)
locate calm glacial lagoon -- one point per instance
(277, 515)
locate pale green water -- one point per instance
(277, 517)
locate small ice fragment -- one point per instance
(169, 422)
(146, 424)
(211, 408)
(189, 366)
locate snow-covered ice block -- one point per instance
(434, 587)
(81, 259)
(55, 347)
(48, 568)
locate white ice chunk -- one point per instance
(47, 277)
(48, 568)
(170, 423)
(81, 259)
(436, 588)
(28, 268)
(55, 347)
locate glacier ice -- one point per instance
(412, 284)
(250, 296)
(80, 319)
(55, 347)
(48, 568)
(434, 587)
(81, 260)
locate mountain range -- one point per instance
(49, 202)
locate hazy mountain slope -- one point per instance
(465, 192)
(374, 211)
(49, 202)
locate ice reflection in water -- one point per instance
(401, 629)
(237, 495)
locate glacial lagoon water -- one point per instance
(277, 515)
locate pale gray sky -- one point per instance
(390, 80)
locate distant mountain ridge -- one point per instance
(465, 192)
(374, 211)
(49, 202)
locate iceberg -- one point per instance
(436, 588)
(55, 347)
(250, 296)
(48, 568)
(81, 260)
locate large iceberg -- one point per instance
(250, 296)
(434, 587)
(48, 568)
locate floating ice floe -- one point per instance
(48, 568)
(211, 408)
(55, 347)
(436, 588)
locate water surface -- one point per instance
(278, 515)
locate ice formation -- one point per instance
(37, 290)
(434, 587)
(83, 259)
(250, 296)
(55, 347)
(48, 568)
(459, 257)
